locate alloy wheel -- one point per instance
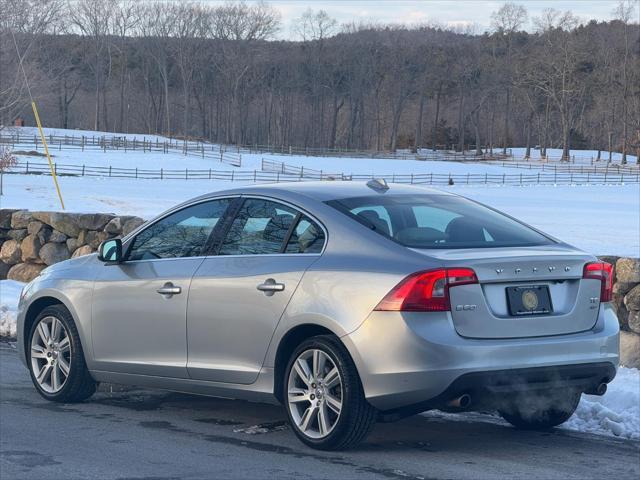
(315, 393)
(50, 354)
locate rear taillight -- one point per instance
(426, 291)
(604, 272)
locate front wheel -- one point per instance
(56, 360)
(323, 396)
(541, 410)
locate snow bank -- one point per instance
(616, 413)
(9, 296)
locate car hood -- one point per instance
(72, 263)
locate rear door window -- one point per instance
(263, 227)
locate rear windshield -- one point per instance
(438, 221)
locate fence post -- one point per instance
(503, 175)
(27, 171)
(521, 179)
(136, 172)
(232, 172)
(109, 170)
(254, 176)
(55, 168)
(186, 174)
(485, 178)
(412, 179)
(161, 174)
(209, 174)
(83, 170)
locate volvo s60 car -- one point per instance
(349, 303)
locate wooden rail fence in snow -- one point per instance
(290, 173)
(110, 143)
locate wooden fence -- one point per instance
(282, 172)
(114, 143)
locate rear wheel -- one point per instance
(56, 360)
(323, 396)
(540, 410)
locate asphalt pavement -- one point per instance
(154, 435)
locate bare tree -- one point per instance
(94, 20)
(507, 21)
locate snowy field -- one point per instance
(617, 413)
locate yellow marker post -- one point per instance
(46, 151)
(35, 114)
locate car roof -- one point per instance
(328, 190)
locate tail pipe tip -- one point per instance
(599, 390)
(463, 401)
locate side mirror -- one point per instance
(110, 251)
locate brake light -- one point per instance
(426, 291)
(604, 272)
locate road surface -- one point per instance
(151, 435)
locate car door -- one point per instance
(139, 306)
(238, 295)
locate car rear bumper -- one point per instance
(417, 361)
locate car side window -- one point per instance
(307, 237)
(181, 234)
(260, 227)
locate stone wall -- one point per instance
(33, 240)
(626, 301)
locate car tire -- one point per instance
(541, 411)
(63, 356)
(322, 393)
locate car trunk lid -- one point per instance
(482, 310)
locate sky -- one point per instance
(451, 13)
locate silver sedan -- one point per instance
(349, 303)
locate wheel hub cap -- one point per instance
(50, 354)
(315, 393)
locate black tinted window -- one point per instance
(260, 227)
(307, 237)
(181, 234)
(438, 221)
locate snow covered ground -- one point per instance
(9, 296)
(617, 413)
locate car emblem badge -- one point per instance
(529, 300)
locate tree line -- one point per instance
(220, 73)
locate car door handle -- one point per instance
(270, 286)
(169, 289)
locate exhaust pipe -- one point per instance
(463, 401)
(600, 390)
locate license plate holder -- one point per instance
(529, 300)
